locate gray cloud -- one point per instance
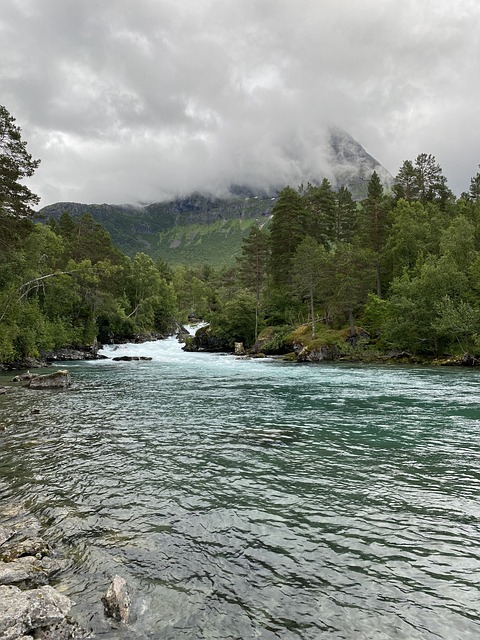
(134, 101)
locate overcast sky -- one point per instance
(136, 100)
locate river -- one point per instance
(248, 499)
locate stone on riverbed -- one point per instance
(24, 376)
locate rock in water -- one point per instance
(24, 376)
(117, 600)
(59, 380)
(239, 349)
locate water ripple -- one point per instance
(246, 499)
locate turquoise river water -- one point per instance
(248, 499)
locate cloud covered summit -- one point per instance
(137, 101)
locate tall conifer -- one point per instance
(287, 230)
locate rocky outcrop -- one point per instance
(58, 380)
(28, 571)
(25, 363)
(70, 354)
(205, 340)
(116, 600)
(324, 353)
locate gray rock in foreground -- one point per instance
(29, 607)
(39, 613)
(28, 571)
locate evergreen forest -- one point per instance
(396, 272)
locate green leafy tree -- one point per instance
(194, 296)
(412, 236)
(457, 241)
(237, 321)
(412, 306)
(309, 268)
(457, 321)
(151, 297)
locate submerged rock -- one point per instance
(117, 600)
(130, 358)
(58, 380)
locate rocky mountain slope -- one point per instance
(202, 228)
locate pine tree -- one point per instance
(422, 181)
(15, 164)
(286, 232)
(321, 206)
(474, 191)
(373, 224)
(345, 216)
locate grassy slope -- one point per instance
(195, 230)
(216, 243)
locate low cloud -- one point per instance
(138, 101)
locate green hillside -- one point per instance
(216, 243)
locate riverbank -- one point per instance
(296, 344)
(31, 606)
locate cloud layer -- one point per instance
(129, 101)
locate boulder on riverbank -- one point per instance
(25, 363)
(205, 340)
(70, 354)
(58, 380)
(323, 353)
